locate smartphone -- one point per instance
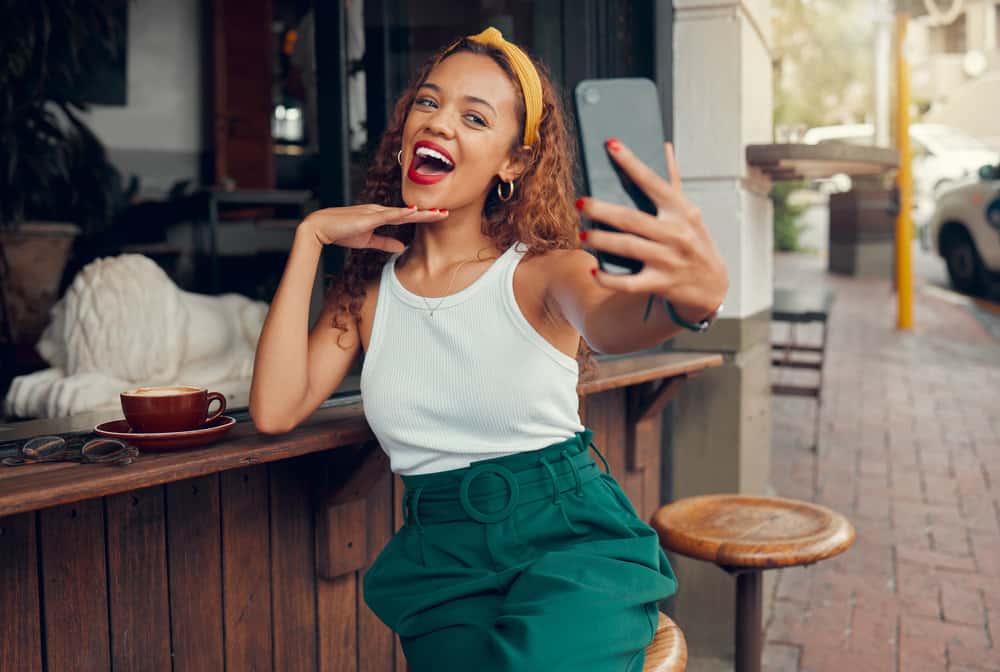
(627, 109)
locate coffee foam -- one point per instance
(162, 391)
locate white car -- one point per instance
(965, 231)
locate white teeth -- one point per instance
(427, 151)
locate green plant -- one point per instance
(52, 167)
(787, 228)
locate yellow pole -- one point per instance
(904, 222)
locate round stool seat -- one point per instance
(668, 650)
(742, 531)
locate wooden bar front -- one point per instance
(250, 554)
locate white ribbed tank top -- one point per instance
(472, 382)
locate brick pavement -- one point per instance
(909, 450)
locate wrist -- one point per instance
(693, 318)
(695, 314)
(305, 233)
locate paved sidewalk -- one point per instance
(909, 450)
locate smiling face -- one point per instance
(462, 132)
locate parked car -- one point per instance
(965, 231)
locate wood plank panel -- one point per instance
(246, 569)
(612, 409)
(375, 637)
(338, 623)
(648, 434)
(21, 643)
(75, 587)
(595, 421)
(194, 552)
(341, 519)
(630, 480)
(137, 590)
(293, 567)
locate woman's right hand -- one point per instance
(354, 226)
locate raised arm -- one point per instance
(295, 369)
(681, 264)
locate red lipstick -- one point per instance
(423, 178)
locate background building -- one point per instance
(956, 68)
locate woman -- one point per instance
(472, 300)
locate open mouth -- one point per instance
(431, 160)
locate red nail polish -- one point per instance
(444, 211)
(412, 207)
(614, 145)
(583, 235)
(434, 210)
(593, 272)
(579, 204)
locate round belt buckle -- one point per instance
(501, 471)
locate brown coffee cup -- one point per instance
(170, 408)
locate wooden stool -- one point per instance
(668, 650)
(745, 535)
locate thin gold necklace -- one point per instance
(454, 273)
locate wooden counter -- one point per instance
(248, 554)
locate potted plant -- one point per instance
(56, 182)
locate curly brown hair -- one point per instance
(541, 214)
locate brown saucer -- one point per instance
(162, 441)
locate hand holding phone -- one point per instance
(649, 238)
(629, 111)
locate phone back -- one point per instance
(627, 109)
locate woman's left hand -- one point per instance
(681, 261)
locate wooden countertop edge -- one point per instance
(661, 365)
(43, 486)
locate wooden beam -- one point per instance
(648, 399)
(342, 516)
(644, 402)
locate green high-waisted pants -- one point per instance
(532, 562)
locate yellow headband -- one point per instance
(531, 85)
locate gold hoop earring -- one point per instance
(510, 194)
(399, 157)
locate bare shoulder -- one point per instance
(557, 267)
(552, 276)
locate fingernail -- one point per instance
(579, 204)
(614, 145)
(593, 272)
(434, 210)
(583, 235)
(412, 207)
(444, 211)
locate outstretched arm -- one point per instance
(681, 264)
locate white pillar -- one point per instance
(723, 100)
(721, 422)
